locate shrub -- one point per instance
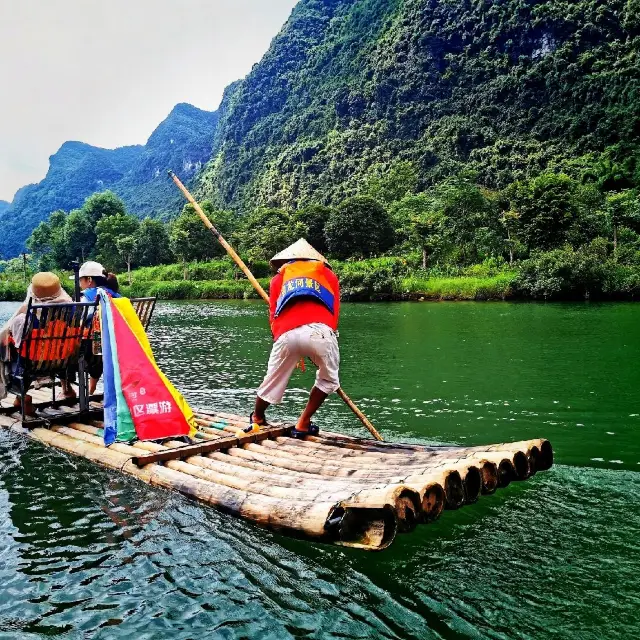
(359, 227)
(565, 272)
(375, 279)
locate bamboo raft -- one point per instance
(330, 488)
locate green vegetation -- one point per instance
(549, 237)
(351, 94)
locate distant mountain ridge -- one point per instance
(136, 173)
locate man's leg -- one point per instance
(259, 410)
(282, 362)
(67, 390)
(316, 398)
(322, 348)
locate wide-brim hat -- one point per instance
(90, 269)
(45, 285)
(300, 250)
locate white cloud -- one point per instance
(107, 73)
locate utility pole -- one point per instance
(75, 265)
(24, 264)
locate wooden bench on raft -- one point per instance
(55, 343)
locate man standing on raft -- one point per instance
(304, 307)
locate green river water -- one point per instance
(89, 553)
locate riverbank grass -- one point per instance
(499, 287)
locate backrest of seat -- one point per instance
(144, 308)
(52, 336)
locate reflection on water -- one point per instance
(94, 554)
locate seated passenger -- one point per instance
(112, 282)
(45, 288)
(93, 276)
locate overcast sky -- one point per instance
(107, 72)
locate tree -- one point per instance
(109, 231)
(47, 244)
(315, 217)
(126, 246)
(391, 183)
(265, 232)
(622, 209)
(610, 176)
(152, 244)
(39, 244)
(548, 206)
(190, 240)
(421, 220)
(79, 235)
(359, 227)
(102, 205)
(510, 220)
(472, 219)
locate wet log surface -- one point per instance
(330, 488)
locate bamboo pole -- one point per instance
(218, 236)
(263, 294)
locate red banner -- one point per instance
(153, 409)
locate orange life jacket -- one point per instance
(48, 343)
(305, 279)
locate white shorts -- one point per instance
(315, 341)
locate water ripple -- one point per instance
(86, 552)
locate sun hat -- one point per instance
(90, 270)
(300, 250)
(45, 285)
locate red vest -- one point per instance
(304, 292)
(305, 279)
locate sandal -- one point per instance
(313, 430)
(254, 426)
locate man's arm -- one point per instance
(335, 284)
(274, 292)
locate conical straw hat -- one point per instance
(300, 250)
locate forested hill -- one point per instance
(506, 89)
(137, 174)
(3, 206)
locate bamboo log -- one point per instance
(449, 478)
(407, 502)
(343, 523)
(489, 470)
(518, 467)
(471, 475)
(316, 452)
(342, 441)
